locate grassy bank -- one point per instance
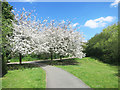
(93, 72)
(25, 78)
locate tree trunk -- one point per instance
(20, 59)
(51, 56)
(60, 57)
(3, 66)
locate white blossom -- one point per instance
(37, 36)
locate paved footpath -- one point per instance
(58, 78)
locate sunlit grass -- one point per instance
(94, 73)
(26, 78)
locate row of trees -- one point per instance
(104, 45)
(44, 36)
(22, 34)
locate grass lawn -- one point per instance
(23, 59)
(25, 78)
(29, 58)
(93, 72)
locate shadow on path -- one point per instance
(71, 61)
(34, 64)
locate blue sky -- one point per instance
(91, 16)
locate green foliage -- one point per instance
(33, 57)
(94, 73)
(47, 56)
(104, 46)
(6, 17)
(26, 58)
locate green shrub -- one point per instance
(104, 45)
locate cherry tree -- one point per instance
(63, 39)
(26, 38)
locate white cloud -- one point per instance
(99, 22)
(75, 24)
(91, 24)
(115, 3)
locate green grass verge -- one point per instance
(23, 59)
(29, 58)
(94, 73)
(26, 78)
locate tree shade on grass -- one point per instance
(26, 78)
(94, 73)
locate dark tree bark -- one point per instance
(4, 66)
(60, 57)
(20, 58)
(51, 56)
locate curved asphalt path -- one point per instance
(58, 78)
